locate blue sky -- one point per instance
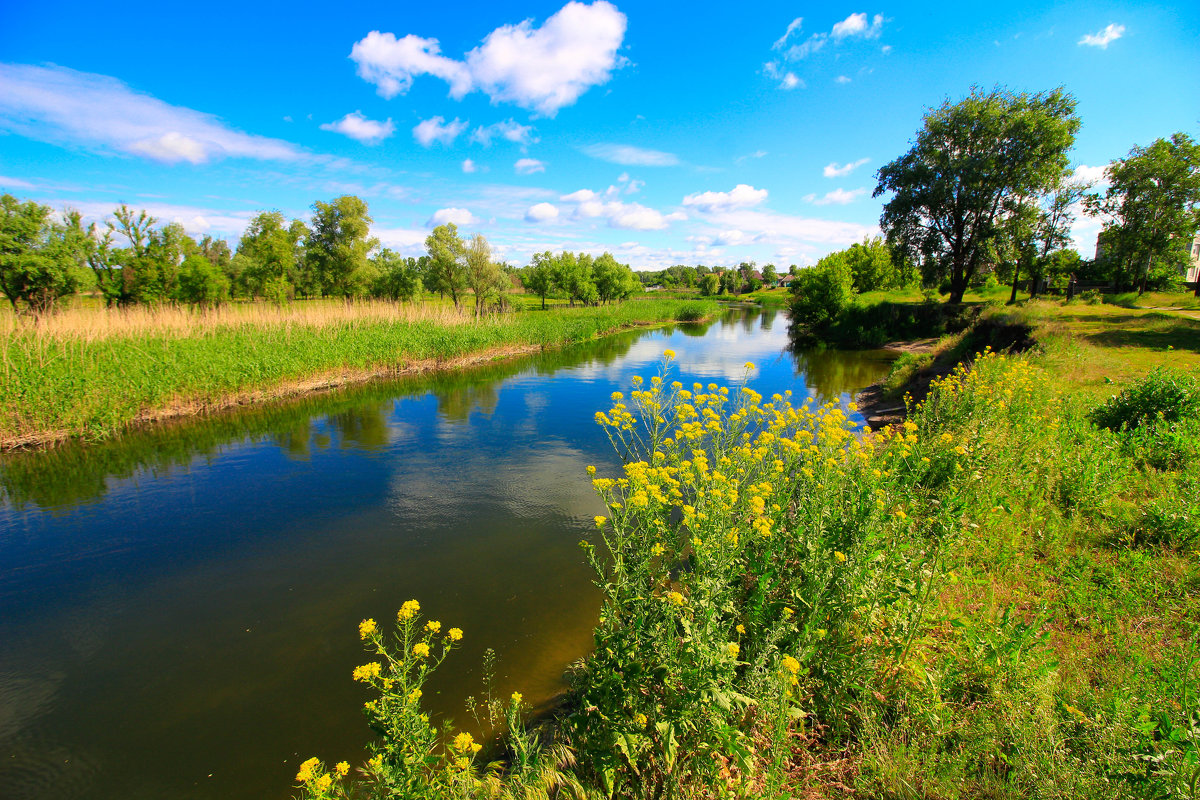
(665, 133)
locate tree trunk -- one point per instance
(1012, 298)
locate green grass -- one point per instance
(93, 388)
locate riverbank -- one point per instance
(997, 598)
(91, 377)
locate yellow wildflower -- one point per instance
(307, 769)
(741, 629)
(367, 671)
(640, 720)
(455, 634)
(517, 697)
(749, 365)
(839, 555)
(323, 783)
(433, 626)
(463, 742)
(600, 521)
(375, 762)
(732, 649)
(668, 354)
(342, 768)
(675, 598)
(414, 695)
(366, 628)
(408, 610)
(420, 650)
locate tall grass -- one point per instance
(91, 373)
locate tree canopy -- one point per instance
(969, 158)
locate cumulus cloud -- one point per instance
(528, 166)
(510, 130)
(741, 196)
(785, 229)
(196, 220)
(539, 68)
(438, 130)
(1110, 34)
(357, 126)
(631, 216)
(842, 79)
(793, 27)
(631, 156)
(839, 197)
(468, 166)
(835, 170)
(65, 107)
(856, 25)
(459, 216)
(404, 240)
(541, 212)
(1093, 176)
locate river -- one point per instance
(179, 606)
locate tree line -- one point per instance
(133, 260)
(986, 188)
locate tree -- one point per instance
(447, 271)
(484, 276)
(1037, 228)
(41, 259)
(710, 284)
(822, 292)
(870, 264)
(769, 274)
(399, 277)
(270, 257)
(538, 277)
(970, 157)
(338, 247)
(201, 282)
(614, 281)
(1152, 208)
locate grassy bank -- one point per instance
(90, 373)
(998, 599)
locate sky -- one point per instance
(698, 133)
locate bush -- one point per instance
(820, 294)
(1165, 395)
(691, 312)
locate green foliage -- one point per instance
(710, 285)
(1151, 210)
(969, 161)
(41, 259)
(1163, 396)
(399, 277)
(447, 270)
(201, 283)
(821, 293)
(338, 247)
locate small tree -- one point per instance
(821, 293)
(399, 277)
(202, 283)
(538, 277)
(710, 285)
(447, 262)
(338, 247)
(484, 276)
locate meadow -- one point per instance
(89, 372)
(998, 598)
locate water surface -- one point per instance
(179, 607)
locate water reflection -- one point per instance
(179, 606)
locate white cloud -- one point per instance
(792, 27)
(391, 63)
(404, 240)
(459, 216)
(528, 166)
(356, 126)
(839, 197)
(65, 107)
(628, 155)
(887, 48)
(541, 212)
(806, 48)
(834, 170)
(438, 130)
(842, 79)
(856, 25)
(541, 69)
(777, 229)
(1102, 39)
(468, 166)
(509, 129)
(196, 220)
(1083, 174)
(787, 80)
(631, 216)
(755, 154)
(742, 196)
(14, 183)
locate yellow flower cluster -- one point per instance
(433, 626)
(421, 650)
(408, 610)
(308, 770)
(367, 672)
(366, 628)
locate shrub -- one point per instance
(820, 294)
(1165, 395)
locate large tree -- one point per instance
(949, 190)
(1151, 208)
(41, 258)
(339, 246)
